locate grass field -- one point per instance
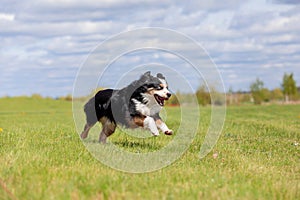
(42, 157)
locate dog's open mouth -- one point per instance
(160, 100)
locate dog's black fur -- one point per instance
(128, 106)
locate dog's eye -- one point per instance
(159, 87)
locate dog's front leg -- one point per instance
(163, 126)
(150, 124)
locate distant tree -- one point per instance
(276, 94)
(289, 87)
(257, 91)
(36, 96)
(209, 95)
(66, 98)
(203, 96)
(265, 94)
(217, 98)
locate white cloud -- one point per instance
(245, 38)
(8, 17)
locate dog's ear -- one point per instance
(159, 75)
(148, 73)
(145, 76)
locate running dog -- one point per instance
(137, 105)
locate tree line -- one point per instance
(287, 92)
(257, 94)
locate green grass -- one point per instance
(42, 157)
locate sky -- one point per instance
(44, 43)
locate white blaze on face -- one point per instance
(163, 81)
(164, 92)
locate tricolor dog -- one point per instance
(137, 105)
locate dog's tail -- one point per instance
(90, 112)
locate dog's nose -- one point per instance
(169, 95)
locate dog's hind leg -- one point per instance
(86, 130)
(108, 128)
(91, 117)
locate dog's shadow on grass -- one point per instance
(135, 146)
(150, 146)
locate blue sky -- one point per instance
(44, 43)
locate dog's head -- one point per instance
(155, 87)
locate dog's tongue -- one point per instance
(160, 100)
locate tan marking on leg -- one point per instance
(108, 128)
(139, 120)
(102, 120)
(136, 121)
(158, 122)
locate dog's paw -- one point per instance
(155, 134)
(83, 136)
(169, 132)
